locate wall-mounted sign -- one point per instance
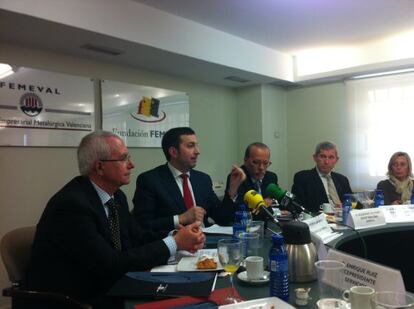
(141, 114)
(40, 108)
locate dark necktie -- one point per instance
(188, 198)
(113, 218)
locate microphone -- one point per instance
(255, 202)
(285, 198)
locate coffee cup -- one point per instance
(360, 297)
(254, 267)
(327, 208)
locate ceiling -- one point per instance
(287, 26)
(293, 25)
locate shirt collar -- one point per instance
(176, 173)
(322, 174)
(103, 195)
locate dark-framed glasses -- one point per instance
(125, 158)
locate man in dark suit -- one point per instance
(175, 193)
(321, 185)
(86, 238)
(256, 162)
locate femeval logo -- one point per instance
(148, 110)
(31, 104)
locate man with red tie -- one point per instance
(175, 194)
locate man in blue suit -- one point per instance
(321, 185)
(175, 194)
(87, 239)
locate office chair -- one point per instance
(15, 248)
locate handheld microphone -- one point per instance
(285, 198)
(255, 202)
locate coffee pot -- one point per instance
(301, 252)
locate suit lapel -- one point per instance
(173, 191)
(319, 187)
(96, 207)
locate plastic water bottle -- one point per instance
(412, 197)
(279, 271)
(379, 198)
(346, 207)
(242, 220)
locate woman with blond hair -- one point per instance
(399, 185)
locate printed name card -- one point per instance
(398, 213)
(365, 218)
(360, 271)
(319, 226)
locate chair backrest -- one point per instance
(15, 248)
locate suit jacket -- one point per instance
(73, 252)
(158, 198)
(310, 192)
(248, 185)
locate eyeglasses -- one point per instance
(264, 163)
(125, 158)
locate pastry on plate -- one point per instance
(206, 262)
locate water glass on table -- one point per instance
(230, 256)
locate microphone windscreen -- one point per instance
(253, 199)
(274, 191)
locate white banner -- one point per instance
(141, 114)
(41, 108)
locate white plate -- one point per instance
(262, 303)
(189, 263)
(243, 277)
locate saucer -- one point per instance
(243, 277)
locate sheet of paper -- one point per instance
(217, 229)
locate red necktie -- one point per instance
(188, 198)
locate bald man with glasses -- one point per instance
(256, 162)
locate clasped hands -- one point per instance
(190, 237)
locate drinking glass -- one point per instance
(230, 256)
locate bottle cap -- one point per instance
(277, 239)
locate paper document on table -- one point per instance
(217, 229)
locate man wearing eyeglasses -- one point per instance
(87, 239)
(256, 162)
(321, 185)
(175, 193)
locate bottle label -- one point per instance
(278, 265)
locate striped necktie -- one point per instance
(113, 219)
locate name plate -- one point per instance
(365, 218)
(360, 271)
(398, 213)
(319, 226)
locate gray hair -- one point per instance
(255, 144)
(93, 147)
(325, 146)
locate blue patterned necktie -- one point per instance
(113, 219)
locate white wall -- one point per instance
(315, 114)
